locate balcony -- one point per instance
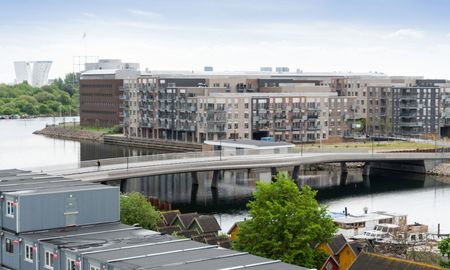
(313, 127)
(410, 124)
(409, 105)
(313, 115)
(313, 108)
(146, 124)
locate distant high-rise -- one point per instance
(281, 69)
(265, 69)
(34, 72)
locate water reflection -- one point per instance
(235, 188)
(337, 190)
(94, 150)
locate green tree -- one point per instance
(284, 223)
(134, 208)
(444, 248)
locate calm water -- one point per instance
(423, 198)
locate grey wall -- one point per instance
(47, 211)
(10, 260)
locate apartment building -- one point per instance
(199, 107)
(101, 96)
(407, 109)
(293, 107)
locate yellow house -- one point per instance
(349, 253)
(233, 231)
(333, 247)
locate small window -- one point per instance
(10, 209)
(70, 264)
(48, 259)
(9, 246)
(28, 253)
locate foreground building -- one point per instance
(52, 223)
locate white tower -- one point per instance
(35, 73)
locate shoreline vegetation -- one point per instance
(61, 97)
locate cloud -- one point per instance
(144, 13)
(407, 33)
(88, 14)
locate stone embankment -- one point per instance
(442, 169)
(353, 165)
(70, 134)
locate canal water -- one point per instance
(425, 199)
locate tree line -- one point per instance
(59, 97)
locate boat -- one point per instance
(353, 225)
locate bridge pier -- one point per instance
(273, 172)
(194, 178)
(123, 185)
(366, 169)
(215, 178)
(194, 190)
(344, 168)
(296, 173)
(343, 179)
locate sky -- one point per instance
(395, 37)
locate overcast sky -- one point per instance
(396, 37)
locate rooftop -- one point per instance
(367, 261)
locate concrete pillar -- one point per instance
(215, 178)
(366, 169)
(366, 181)
(344, 167)
(273, 172)
(295, 173)
(194, 177)
(343, 179)
(123, 185)
(194, 191)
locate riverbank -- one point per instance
(442, 169)
(69, 132)
(61, 132)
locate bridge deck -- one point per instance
(198, 164)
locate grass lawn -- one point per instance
(92, 129)
(384, 145)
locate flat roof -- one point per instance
(362, 218)
(250, 144)
(76, 231)
(33, 185)
(59, 189)
(130, 247)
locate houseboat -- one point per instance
(353, 225)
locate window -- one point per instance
(10, 209)
(48, 259)
(70, 264)
(28, 253)
(92, 267)
(9, 246)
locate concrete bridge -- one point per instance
(124, 168)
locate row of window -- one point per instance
(49, 256)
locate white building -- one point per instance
(110, 64)
(34, 72)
